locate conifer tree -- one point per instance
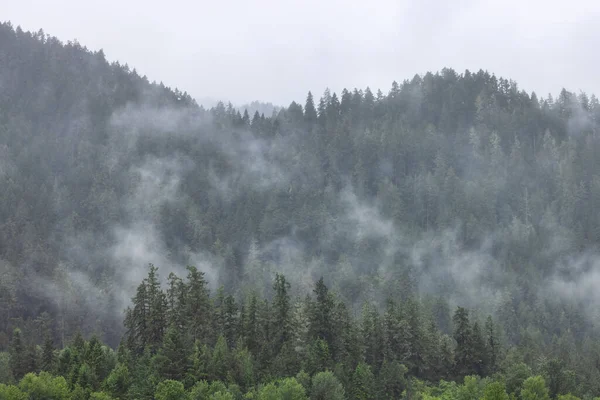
(172, 360)
(19, 362)
(48, 363)
(363, 383)
(230, 321)
(321, 314)
(310, 113)
(281, 308)
(198, 313)
(464, 359)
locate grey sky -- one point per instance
(277, 50)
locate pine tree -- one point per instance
(157, 310)
(94, 357)
(310, 113)
(219, 364)
(136, 321)
(281, 309)
(325, 386)
(464, 343)
(321, 314)
(176, 299)
(198, 313)
(118, 382)
(251, 325)
(492, 345)
(372, 337)
(230, 321)
(19, 362)
(142, 380)
(391, 381)
(480, 362)
(48, 356)
(319, 357)
(172, 360)
(363, 383)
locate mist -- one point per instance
(451, 187)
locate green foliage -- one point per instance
(100, 396)
(142, 379)
(170, 390)
(200, 391)
(391, 381)
(303, 379)
(9, 392)
(471, 389)
(172, 361)
(221, 396)
(534, 388)
(451, 186)
(325, 386)
(495, 391)
(118, 382)
(6, 376)
(21, 360)
(219, 364)
(288, 389)
(515, 375)
(568, 396)
(363, 383)
(204, 390)
(44, 387)
(291, 389)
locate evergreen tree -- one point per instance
(391, 381)
(534, 388)
(281, 308)
(230, 322)
(321, 314)
(363, 383)
(480, 362)
(310, 113)
(325, 386)
(20, 362)
(219, 364)
(48, 363)
(464, 358)
(157, 310)
(495, 391)
(172, 361)
(198, 313)
(492, 345)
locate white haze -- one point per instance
(274, 51)
(258, 164)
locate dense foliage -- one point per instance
(424, 210)
(183, 343)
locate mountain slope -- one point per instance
(457, 188)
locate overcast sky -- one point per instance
(277, 50)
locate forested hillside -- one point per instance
(449, 190)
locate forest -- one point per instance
(439, 240)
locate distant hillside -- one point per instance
(454, 188)
(266, 109)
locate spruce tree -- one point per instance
(321, 314)
(464, 359)
(281, 309)
(310, 113)
(198, 313)
(19, 362)
(363, 383)
(48, 363)
(172, 360)
(230, 321)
